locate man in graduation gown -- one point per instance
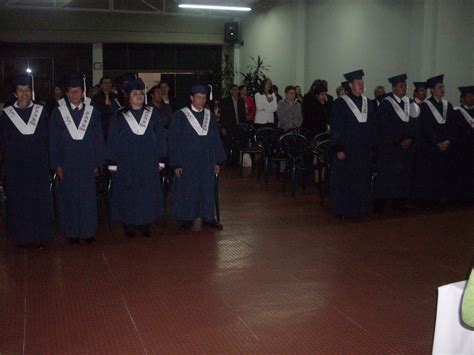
(352, 138)
(433, 155)
(136, 150)
(463, 149)
(76, 153)
(395, 151)
(24, 142)
(195, 152)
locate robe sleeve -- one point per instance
(111, 155)
(337, 124)
(387, 132)
(3, 132)
(175, 140)
(99, 139)
(54, 139)
(428, 127)
(160, 133)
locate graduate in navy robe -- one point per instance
(396, 117)
(76, 153)
(136, 151)
(463, 149)
(119, 101)
(433, 170)
(195, 152)
(352, 140)
(24, 143)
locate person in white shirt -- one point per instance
(266, 105)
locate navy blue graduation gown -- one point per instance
(350, 178)
(77, 196)
(433, 168)
(136, 187)
(395, 165)
(193, 192)
(463, 153)
(27, 179)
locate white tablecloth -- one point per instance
(451, 335)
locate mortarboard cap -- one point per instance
(22, 80)
(135, 84)
(431, 82)
(420, 85)
(74, 80)
(466, 90)
(394, 80)
(355, 75)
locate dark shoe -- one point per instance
(41, 246)
(75, 241)
(184, 226)
(215, 225)
(129, 231)
(146, 232)
(91, 240)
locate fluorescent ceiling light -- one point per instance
(214, 7)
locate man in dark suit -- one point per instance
(232, 109)
(103, 102)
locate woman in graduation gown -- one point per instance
(195, 152)
(136, 150)
(76, 153)
(24, 142)
(352, 139)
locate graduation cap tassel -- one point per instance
(210, 92)
(33, 86)
(146, 99)
(84, 80)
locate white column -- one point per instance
(429, 38)
(97, 63)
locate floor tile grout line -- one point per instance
(24, 305)
(248, 328)
(124, 302)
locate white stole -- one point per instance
(466, 115)
(360, 115)
(62, 102)
(201, 131)
(25, 128)
(138, 128)
(409, 110)
(77, 133)
(440, 119)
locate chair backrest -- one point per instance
(269, 138)
(301, 130)
(322, 151)
(246, 136)
(294, 145)
(321, 137)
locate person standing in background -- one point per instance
(266, 105)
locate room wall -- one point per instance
(384, 37)
(271, 35)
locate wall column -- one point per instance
(97, 59)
